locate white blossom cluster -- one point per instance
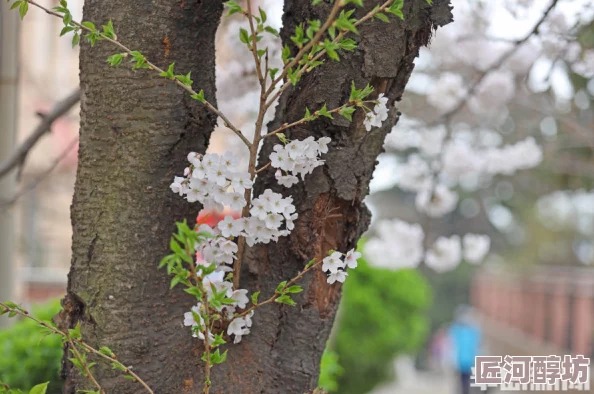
(334, 265)
(376, 117)
(568, 210)
(209, 180)
(297, 158)
(214, 181)
(434, 168)
(238, 327)
(399, 245)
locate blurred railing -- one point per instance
(551, 306)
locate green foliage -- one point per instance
(29, 355)
(382, 314)
(330, 371)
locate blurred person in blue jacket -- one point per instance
(465, 342)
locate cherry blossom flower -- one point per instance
(333, 262)
(351, 258)
(445, 254)
(338, 276)
(475, 247)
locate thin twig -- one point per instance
(18, 157)
(152, 66)
(25, 314)
(304, 120)
(254, 46)
(84, 365)
(263, 167)
(495, 66)
(276, 295)
(32, 185)
(317, 57)
(337, 6)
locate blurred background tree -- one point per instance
(29, 355)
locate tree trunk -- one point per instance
(286, 343)
(136, 132)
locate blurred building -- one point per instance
(48, 73)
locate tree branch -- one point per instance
(18, 157)
(495, 66)
(4, 205)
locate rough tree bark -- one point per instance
(135, 134)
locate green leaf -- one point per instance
(285, 299)
(345, 23)
(262, 14)
(174, 282)
(23, 8)
(118, 366)
(75, 39)
(294, 289)
(312, 28)
(107, 351)
(273, 72)
(286, 54)
(218, 340)
(233, 7)
(108, 30)
(195, 291)
(129, 377)
(396, 8)
(174, 246)
(347, 112)
(310, 263)
(67, 18)
(382, 17)
(282, 138)
(299, 37)
(15, 4)
(281, 286)
(324, 112)
(66, 29)
(255, 298)
(74, 333)
(186, 80)
(244, 36)
(39, 389)
(272, 31)
(348, 44)
(199, 96)
(116, 59)
(76, 362)
(89, 25)
(12, 305)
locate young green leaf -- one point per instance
(23, 8)
(199, 96)
(347, 112)
(107, 351)
(255, 298)
(285, 299)
(294, 289)
(39, 389)
(244, 36)
(233, 7)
